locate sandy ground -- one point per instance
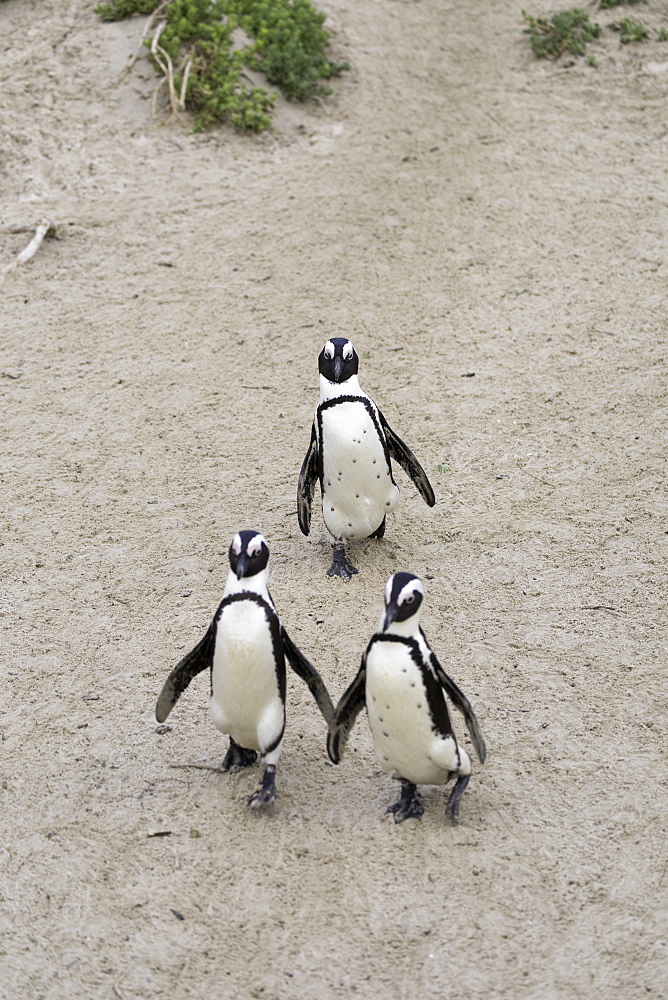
(491, 233)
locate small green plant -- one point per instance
(663, 35)
(630, 31)
(609, 4)
(194, 47)
(567, 31)
(290, 45)
(119, 9)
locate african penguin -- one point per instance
(404, 688)
(245, 649)
(349, 454)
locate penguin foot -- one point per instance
(266, 793)
(380, 530)
(237, 758)
(408, 806)
(455, 797)
(341, 566)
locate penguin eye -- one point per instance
(410, 598)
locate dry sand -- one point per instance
(491, 232)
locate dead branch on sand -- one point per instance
(147, 29)
(43, 229)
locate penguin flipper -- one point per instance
(404, 457)
(305, 669)
(461, 702)
(178, 679)
(308, 476)
(349, 707)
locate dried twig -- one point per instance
(147, 28)
(163, 60)
(43, 229)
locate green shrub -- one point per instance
(630, 31)
(609, 4)
(567, 31)
(288, 46)
(119, 9)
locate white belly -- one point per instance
(357, 482)
(245, 701)
(404, 740)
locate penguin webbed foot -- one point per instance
(341, 565)
(237, 758)
(265, 795)
(455, 797)
(408, 806)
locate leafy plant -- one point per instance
(193, 47)
(290, 44)
(609, 4)
(663, 35)
(630, 31)
(567, 31)
(119, 9)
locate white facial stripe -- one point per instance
(329, 350)
(236, 544)
(388, 590)
(255, 545)
(413, 587)
(347, 351)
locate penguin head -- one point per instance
(403, 597)
(338, 361)
(249, 554)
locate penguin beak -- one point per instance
(338, 369)
(242, 565)
(391, 612)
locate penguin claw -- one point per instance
(455, 797)
(265, 795)
(237, 758)
(341, 565)
(408, 806)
